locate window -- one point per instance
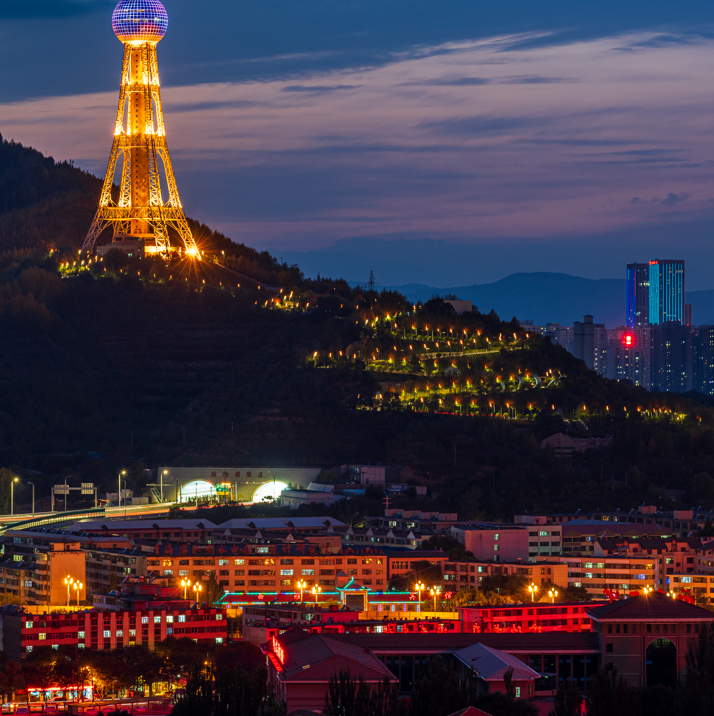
(107, 633)
(170, 619)
(132, 632)
(29, 648)
(42, 636)
(169, 631)
(182, 617)
(223, 562)
(169, 572)
(219, 617)
(496, 547)
(80, 634)
(219, 640)
(518, 692)
(55, 646)
(286, 572)
(543, 534)
(238, 561)
(28, 583)
(28, 625)
(183, 572)
(496, 537)
(308, 572)
(157, 620)
(144, 620)
(120, 633)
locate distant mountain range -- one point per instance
(559, 297)
(465, 270)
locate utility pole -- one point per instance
(33, 498)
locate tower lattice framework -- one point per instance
(140, 141)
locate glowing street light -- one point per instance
(435, 592)
(533, 589)
(77, 586)
(648, 590)
(69, 581)
(553, 593)
(197, 588)
(419, 588)
(185, 583)
(123, 472)
(301, 585)
(315, 592)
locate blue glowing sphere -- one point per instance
(140, 20)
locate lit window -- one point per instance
(80, 634)
(223, 562)
(120, 633)
(144, 620)
(169, 631)
(42, 636)
(219, 640)
(518, 692)
(157, 620)
(80, 646)
(28, 625)
(170, 619)
(286, 572)
(238, 561)
(496, 536)
(309, 572)
(219, 617)
(182, 617)
(132, 632)
(107, 634)
(29, 649)
(183, 572)
(168, 572)
(55, 646)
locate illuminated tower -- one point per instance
(140, 213)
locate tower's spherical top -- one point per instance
(140, 20)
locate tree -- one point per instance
(611, 696)
(697, 693)
(456, 551)
(214, 591)
(438, 691)
(568, 701)
(350, 696)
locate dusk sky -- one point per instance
(581, 129)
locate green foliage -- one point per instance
(611, 696)
(351, 696)
(456, 551)
(235, 692)
(214, 591)
(422, 571)
(438, 691)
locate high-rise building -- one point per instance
(629, 354)
(584, 341)
(704, 359)
(666, 291)
(673, 357)
(638, 295)
(140, 218)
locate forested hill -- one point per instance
(124, 363)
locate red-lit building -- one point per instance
(20, 633)
(521, 618)
(300, 666)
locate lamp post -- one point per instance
(315, 592)
(419, 588)
(12, 495)
(553, 593)
(77, 586)
(123, 472)
(33, 498)
(69, 581)
(197, 588)
(161, 483)
(185, 583)
(533, 589)
(301, 585)
(435, 592)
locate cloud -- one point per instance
(674, 199)
(318, 88)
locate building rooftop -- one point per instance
(313, 657)
(282, 523)
(491, 664)
(650, 607)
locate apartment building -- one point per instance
(497, 542)
(625, 575)
(404, 562)
(699, 586)
(580, 536)
(269, 568)
(468, 575)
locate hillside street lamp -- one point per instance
(533, 589)
(435, 592)
(315, 592)
(419, 588)
(69, 581)
(197, 588)
(77, 587)
(553, 593)
(185, 583)
(301, 585)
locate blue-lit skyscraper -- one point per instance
(638, 295)
(666, 291)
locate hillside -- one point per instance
(193, 365)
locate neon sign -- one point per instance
(277, 650)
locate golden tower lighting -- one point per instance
(139, 215)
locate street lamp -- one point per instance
(315, 591)
(419, 588)
(533, 589)
(198, 588)
(161, 483)
(553, 593)
(123, 472)
(77, 586)
(33, 498)
(69, 581)
(435, 592)
(185, 583)
(648, 590)
(301, 585)
(12, 495)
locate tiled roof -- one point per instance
(313, 657)
(650, 607)
(491, 664)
